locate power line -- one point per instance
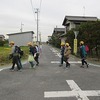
(37, 12)
(40, 4)
(32, 9)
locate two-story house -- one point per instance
(71, 22)
(2, 37)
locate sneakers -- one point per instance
(87, 65)
(11, 69)
(60, 65)
(82, 66)
(33, 66)
(19, 70)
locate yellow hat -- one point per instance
(81, 42)
(29, 43)
(34, 43)
(62, 43)
(12, 42)
(67, 44)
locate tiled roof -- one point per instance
(79, 18)
(59, 29)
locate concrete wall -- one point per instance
(21, 39)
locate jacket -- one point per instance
(67, 51)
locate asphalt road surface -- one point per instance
(51, 82)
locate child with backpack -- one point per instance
(15, 57)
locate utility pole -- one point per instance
(21, 27)
(37, 11)
(40, 37)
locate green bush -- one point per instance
(2, 43)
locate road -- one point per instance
(51, 82)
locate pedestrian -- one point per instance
(62, 53)
(40, 49)
(67, 53)
(32, 51)
(20, 51)
(36, 57)
(15, 57)
(83, 54)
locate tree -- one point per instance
(89, 32)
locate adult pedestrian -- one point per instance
(62, 53)
(15, 57)
(67, 53)
(83, 54)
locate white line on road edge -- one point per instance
(4, 68)
(10, 66)
(76, 92)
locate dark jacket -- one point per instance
(32, 50)
(62, 51)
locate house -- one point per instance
(71, 22)
(60, 32)
(49, 38)
(2, 37)
(21, 38)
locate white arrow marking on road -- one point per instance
(76, 92)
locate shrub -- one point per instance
(2, 43)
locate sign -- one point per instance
(75, 46)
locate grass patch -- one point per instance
(5, 51)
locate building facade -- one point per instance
(22, 38)
(60, 32)
(71, 22)
(2, 37)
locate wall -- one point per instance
(21, 39)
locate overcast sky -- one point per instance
(52, 14)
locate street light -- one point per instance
(75, 42)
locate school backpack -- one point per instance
(19, 50)
(86, 48)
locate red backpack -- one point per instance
(86, 48)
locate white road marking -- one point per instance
(53, 62)
(76, 92)
(10, 66)
(94, 65)
(55, 52)
(58, 54)
(4, 68)
(74, 62)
